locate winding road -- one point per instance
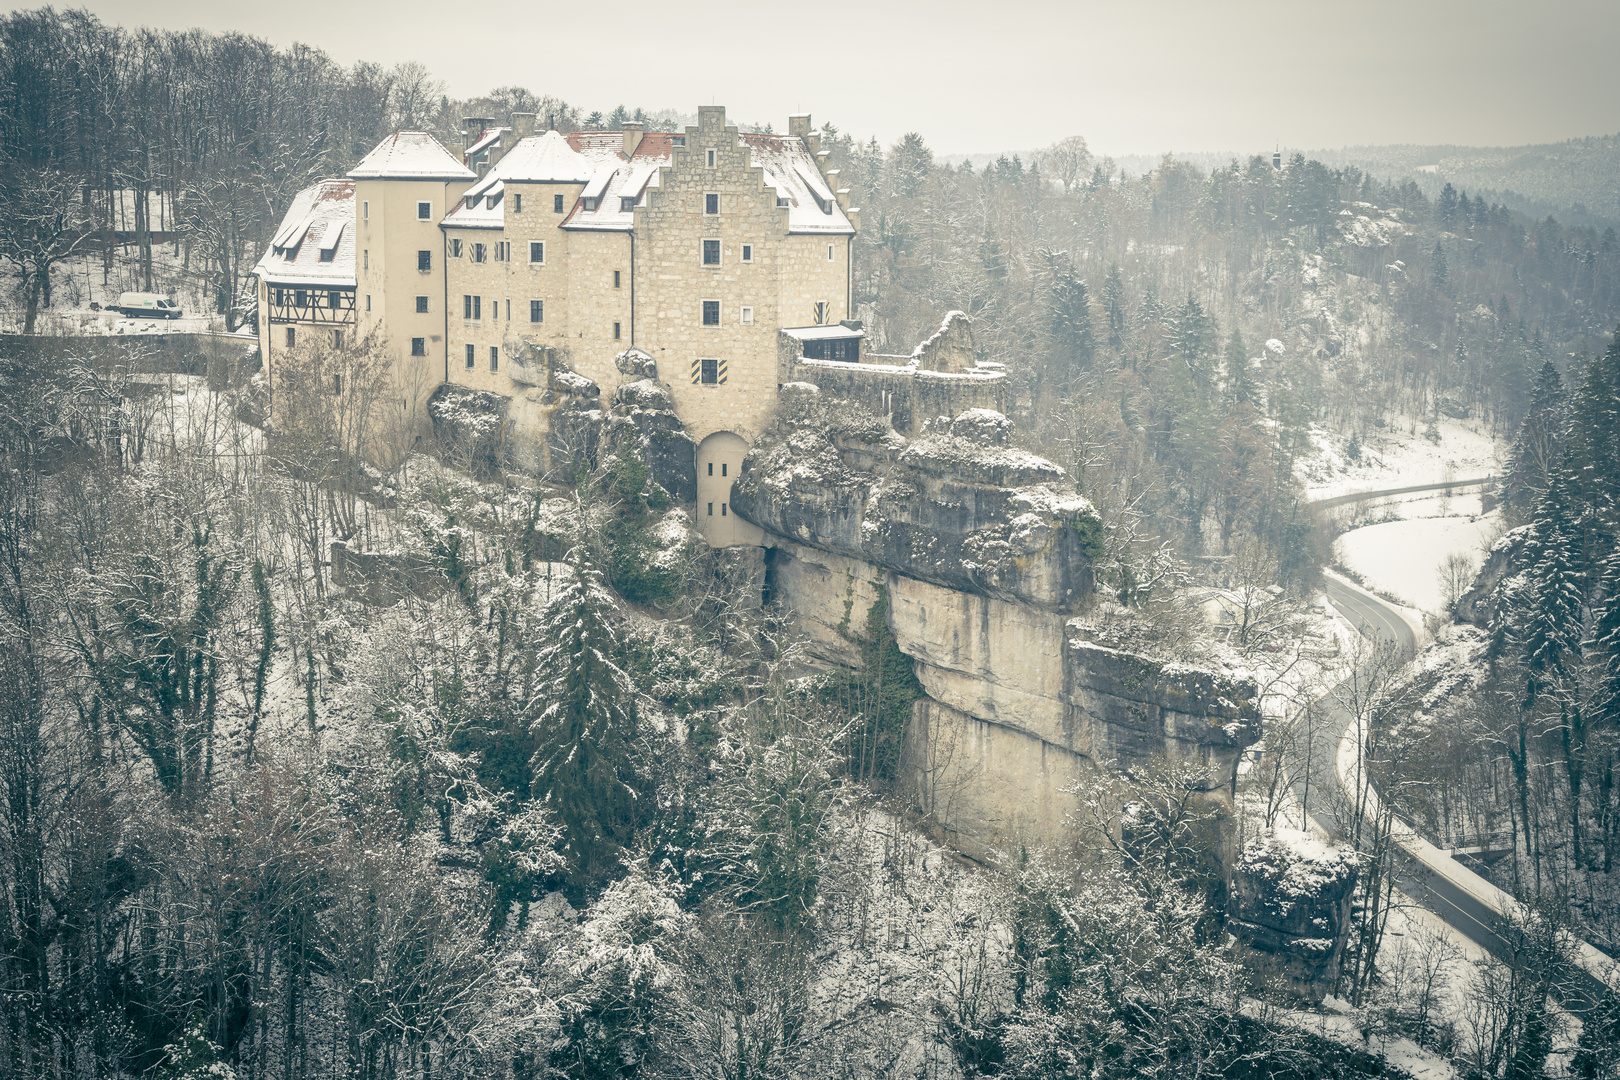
(1466, 901)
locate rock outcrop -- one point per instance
(1291, 909)
(1506, 559)
(957, 506)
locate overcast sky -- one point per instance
(1133, 76)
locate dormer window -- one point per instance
(677, 140)
(489, 203)
(590, 204)
(627, 203)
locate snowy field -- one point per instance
(1400, 456)
(1403, 558)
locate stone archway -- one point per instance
(719, 460)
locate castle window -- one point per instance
(365, 259)
(627, 203)
(615, 331)
(711, 159)
(711, 505)
(711, 253)
(424, 261)
(711, 203)
(424, 211)
(300, 298)
(472, 356)
(711, 313)
(292, 337)
(503, 251)
(556, 204)
(722, 509)
(517, 203)
(677, 140)
(723, 467)
(418, 346)
(337, 383)
(337, 339)
(822, 307)
(711, 468)
(829, 253)
(421, 305)
(368, 301)
(615, 279)
(537, 251)
(537, 311)
(494, 358)
(365, 209)
(748, 253)
(478, 253)
(333, 299)
(472, 307)
(455, 248)
(709, 371)
(747, 316)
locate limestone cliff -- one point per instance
(985, 553)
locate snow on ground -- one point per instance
(1400, 455)
(1404, 558)
(78, 282)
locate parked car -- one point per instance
(148, 305)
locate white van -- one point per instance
(148, 305)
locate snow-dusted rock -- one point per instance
(1291, 909)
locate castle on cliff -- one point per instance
(537, 249)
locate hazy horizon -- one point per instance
(1178, 76)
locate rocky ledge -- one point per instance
(957, 506)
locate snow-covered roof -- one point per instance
(596, 159)
(539, 158)
(831, 332)
(792, 171)
(314, 243)
(410, 155)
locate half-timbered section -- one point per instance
(307, 276)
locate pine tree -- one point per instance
(583, 718)
(1074, 344)
(1240, 383)
(1194, 335)
(1540, 442)
(1437, 263)
(1113, 304)
(1550, 640)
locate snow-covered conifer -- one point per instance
(583, 718)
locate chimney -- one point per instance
(523, 124)
(799, 125)
(632, 136)
(472, 127)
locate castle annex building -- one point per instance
(535, 249)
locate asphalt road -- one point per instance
(1372, 617)
(1375, 619)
